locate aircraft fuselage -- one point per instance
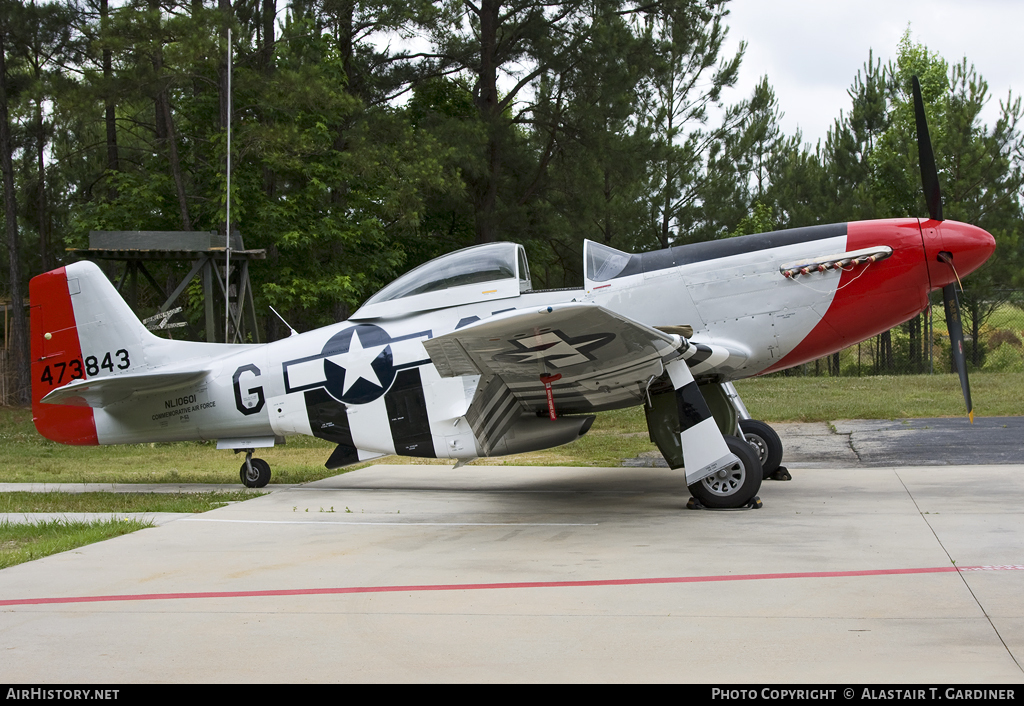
(771, 300)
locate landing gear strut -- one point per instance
(255, 472)
(761, 437)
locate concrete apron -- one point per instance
(422, 573)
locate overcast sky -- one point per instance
(811, 50)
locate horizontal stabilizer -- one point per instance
(100, 392)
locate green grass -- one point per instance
(811, 399)
(28, 458)
(623, 433)
(1007, 316)
(21, 501)
(25, 542)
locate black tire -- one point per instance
(260, 475)
(732, 487)
(765, 442)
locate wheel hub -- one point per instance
(726, 481)
(759, 446)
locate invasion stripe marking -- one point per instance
(407, 415)
(693, 409)
(494, 410)
(328, 420)
(700, 354)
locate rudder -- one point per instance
(56, 360)
(81, 328)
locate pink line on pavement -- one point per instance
(514, 584)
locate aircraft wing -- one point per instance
(100, 392)
(600, 358)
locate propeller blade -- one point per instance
(956, 342)
(929, 173)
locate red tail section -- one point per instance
(56, 361)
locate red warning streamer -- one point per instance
(547, 380)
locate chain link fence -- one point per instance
(993, 342)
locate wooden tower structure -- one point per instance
(206, 251)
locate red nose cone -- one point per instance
(969, 245)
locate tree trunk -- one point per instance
(486, 197)
(885, 343)
(833, 365)
(18, 343)
(666, 215)
(222, 69)
(267, 65)
(607, 234)
(344, 34)
(269, 12)
(172, 156)
(916, 349)
(41, 205)
(975, 308)
(165, 130)
(223, 92)
(110, 117)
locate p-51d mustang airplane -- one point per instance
(461, 358)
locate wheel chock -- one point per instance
(753, 504)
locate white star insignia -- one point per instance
(358, 363)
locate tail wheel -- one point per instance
(765, 442)
(734, 486)
(258, 476)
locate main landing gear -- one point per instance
(255, 472)
(732, 487)
(755, 444)
(766, 444)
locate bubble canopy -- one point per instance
(481, 273)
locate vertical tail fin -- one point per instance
(56, 360)
(105, 321)
(81, 328)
